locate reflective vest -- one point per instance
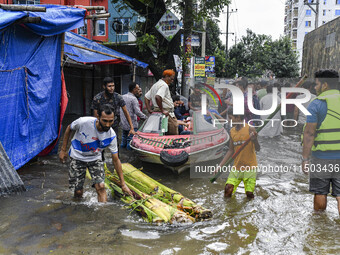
(328, 134)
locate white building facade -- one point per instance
(300, 19)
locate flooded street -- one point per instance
(280, 219)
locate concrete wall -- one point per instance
(321, 48)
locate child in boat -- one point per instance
(245, 163)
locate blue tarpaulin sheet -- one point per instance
(30, 80)
(56, 20)
(91, 57)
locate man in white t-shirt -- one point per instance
(161, 99)
(92, 136)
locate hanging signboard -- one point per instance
(199, 68)
(210, 64)
(210, 79)
(195, 40)
(168, 25)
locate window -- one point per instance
(121, 26)
(100, 28)
(325, 2)
(294, 44)
(324, 12)
(308, 24)
(26, 2)
(153, 124)
(337, 1)
(306, 33)
(323, 22)
(308, 12)
(82, 30)
(337, 12)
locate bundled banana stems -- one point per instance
(154, 201)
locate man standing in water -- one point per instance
(321, 138)
(92, 135)
(109, 96)
(160, 96)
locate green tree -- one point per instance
(215, 47)
(153, 48)
(255, 54)
(281, 58)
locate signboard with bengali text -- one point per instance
(168, 25)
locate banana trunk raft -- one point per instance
(154, 201)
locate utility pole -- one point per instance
(227, 32)
(204, 37)
(316, 10)
(227, 29)
(187, 27)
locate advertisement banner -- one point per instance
(210, 64)
(199, 68)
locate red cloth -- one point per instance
(140, 107)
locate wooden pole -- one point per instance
(62, 48)
(96, 51)
(134, 72)
(34, 20)
(12, 7)
(91, 7)
(98, 16)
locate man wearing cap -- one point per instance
(160, 96)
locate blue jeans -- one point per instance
(126, 138)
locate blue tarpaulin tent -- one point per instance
(31, 79)
(99, 54)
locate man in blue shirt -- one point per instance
(321, 139)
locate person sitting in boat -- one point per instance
(160, 96)
(179, 110)
(245, 163)
(194, 100)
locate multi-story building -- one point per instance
(93, 29)
(122, 22)
(300, 19)
(117, 28)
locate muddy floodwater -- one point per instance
(280, 220)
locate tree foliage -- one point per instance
(255, 54)
(215, 47)
(154, 49)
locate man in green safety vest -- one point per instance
(321, 140)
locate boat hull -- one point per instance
(197, 157)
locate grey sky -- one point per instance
(261, 16)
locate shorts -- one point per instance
(77, 173)
(248, 177)
(322, 174)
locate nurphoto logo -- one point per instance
(239, 102)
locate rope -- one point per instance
(164, 144)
